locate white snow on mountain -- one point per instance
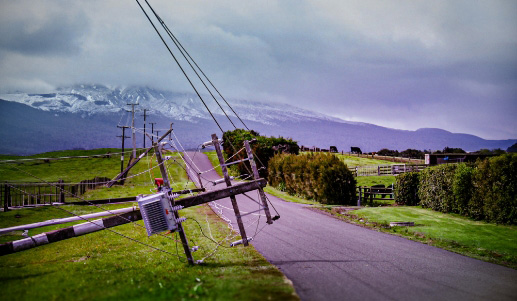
(98, 99)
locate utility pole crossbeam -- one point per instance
(166, 185)
(215, 141)
(256, 177)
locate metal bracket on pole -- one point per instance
(256, 177)
(215, 142)
(158, 151)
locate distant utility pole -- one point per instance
(170, 138)
(145, 115)
(157, 134)
(152, 130)
(123, 139)
(133, 126)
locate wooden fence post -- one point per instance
(359, 199)
(61, 191)
(6, 197)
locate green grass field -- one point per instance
(352, 161)
(485, 241)
(105, 265)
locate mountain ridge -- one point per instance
(92, 112)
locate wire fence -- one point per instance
(386, 170)
(16, 194)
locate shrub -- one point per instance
(435, 189)
(406, 189)
(321, 177)
(462, 188)
(263, 148)
(495, 182)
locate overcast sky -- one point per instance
(401, 64)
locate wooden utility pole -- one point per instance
(145, 115)
(256, 177)
(152, 131)
(170, 137)
(215, 141)
(133, 126)
(123, 139)
(133, 163)
(166, 185)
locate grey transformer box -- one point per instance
(158, 214)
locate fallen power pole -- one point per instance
(101, 224)
(68, 232)
(154, 216)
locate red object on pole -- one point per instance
(158, 182)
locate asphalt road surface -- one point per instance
(328, 259)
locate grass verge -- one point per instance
(212, 156)
(476, 239)
(105, 265)
(287, 197)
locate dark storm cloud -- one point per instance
(55, 33)
(448, 64)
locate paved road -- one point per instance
(327, 259)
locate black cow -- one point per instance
(355, 150)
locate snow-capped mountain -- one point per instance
(95, 99)
(86, 116)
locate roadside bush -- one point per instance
(406, 189)
(495, 183)
(462, 188)
(484, 191)
(264, 149)
(435, 189)
(320, 176)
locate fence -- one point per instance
(386, 170)
(367, 195)
(15, 194)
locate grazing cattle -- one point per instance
(286, 148)
(355, 150)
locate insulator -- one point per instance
(240, 241)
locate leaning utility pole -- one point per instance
(145, 115)
(166, 184)
(123, 139)
(133, 126)
(215, 142)
(170, 137)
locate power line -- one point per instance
(179, 65)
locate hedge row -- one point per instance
(406, 190)
(486, 190)
(319, 176)
(263, 148)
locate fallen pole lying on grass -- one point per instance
(66, 220)
(109, 222)
(68, 232)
